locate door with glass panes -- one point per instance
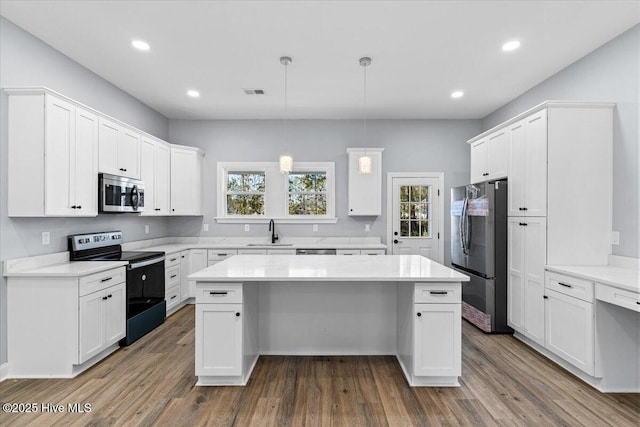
(415, 217)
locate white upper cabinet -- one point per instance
(365, 189)
(489, 157)
(52, 164)
(186, 180)
(119, 149)
(154, 172)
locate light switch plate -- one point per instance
(146, 229)
(615, 237)
(46, 237)
(246, 227)
(367, 227)
(205, 227)
(315, 227)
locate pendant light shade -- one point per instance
(365, 163)
(286, 163)
(286, 160)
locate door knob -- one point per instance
(395, 233)
(395, 241)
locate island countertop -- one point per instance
(253, 268)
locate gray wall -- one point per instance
(611, 74)
(409, 146)
(27, 61)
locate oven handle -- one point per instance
(145, 263)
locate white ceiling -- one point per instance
(421, 51)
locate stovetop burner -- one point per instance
(105, 246)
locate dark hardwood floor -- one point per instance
(152, 383)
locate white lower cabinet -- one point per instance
(102, 320)
(214, 256)
(525, 276)
(197, 260)
(569, 320)
(437, 340)
(219, 340)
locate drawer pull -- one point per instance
(107, 279)
(218, 293)
(523, 223)
(172, 259)
(419, 314)
(438, 292)
(565, 285)
(174, 297)
(222, 254)
(638, 302)
(109, 296)
(175, 275)
(237, 314)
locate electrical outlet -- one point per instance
(146, 229)
(205, 227)
(367, 227)
(46, 237)
(615, 237)
(246, 227)
(315, 227)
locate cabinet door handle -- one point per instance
(485, 174)
(157, 209)
(74, 207)
(106, 279)
(79, 207)
(173, 297)
(419, 314)
(524, 224)
(638, 302)
(565, 285)
(173, 259)
(438, 292)
(104, 298)
(237, 314)
(525, 209)
(182, 256)
(545, 297)
(222, 254)
(109, 296)
(218, 293)
(175, 275)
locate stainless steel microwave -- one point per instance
(118, 194)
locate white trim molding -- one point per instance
(4, 371)
(440, 177)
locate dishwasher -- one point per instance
(315, 251)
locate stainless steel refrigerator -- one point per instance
(479, 250)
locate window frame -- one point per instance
(276, 192)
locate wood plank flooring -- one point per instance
(152, 383)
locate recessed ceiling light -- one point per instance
(140, 45)
(193, 93)
(457, 94)
(512, 45)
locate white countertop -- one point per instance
(413, 268)
(623, 278)
(67, 269)
(327, 244)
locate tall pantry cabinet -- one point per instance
(560, 190)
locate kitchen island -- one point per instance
(403, 305)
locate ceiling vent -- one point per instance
(253, 91)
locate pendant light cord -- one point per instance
(286, 104)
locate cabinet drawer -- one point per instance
(572, 286)
(441, 293)
(220, 254)
(252, 251)
(172, 259)
(172, 295)
(372, 252)
(102, 280)
(348, 252)
(619, 297)
(172, 276)
(220, 293)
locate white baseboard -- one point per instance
(4, 371)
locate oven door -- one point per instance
(145, 286)
(118, 194)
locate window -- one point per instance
(245, 193)
(415, 211)
(258, 192)
(307, 193)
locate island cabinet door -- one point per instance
(219, 339)
(437, 340)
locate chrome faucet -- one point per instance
(272, 229)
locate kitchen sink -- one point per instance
(269, 244)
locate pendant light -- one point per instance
(286, 160)
(365, 163)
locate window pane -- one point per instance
(415, 193)
(404, 228)
(245, 181)
(304, 193)
(424, 193)
(424, 229)
(415, 229)
(295, 182)
(245, 204)
(234, 182)
(321, 204)
(295, 204)
(404, 193)
(404, 210)
(321, 181)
